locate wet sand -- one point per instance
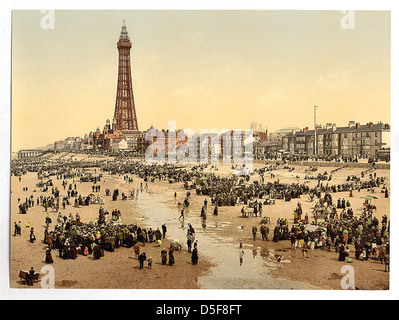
(219, 265)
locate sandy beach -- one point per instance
(119, 269)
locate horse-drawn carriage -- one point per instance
(92, 199)
(320, 214)
(40, 184)
(269, 200)
(176, 245)
(188, 185)
(265, 220)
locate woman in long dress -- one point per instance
(32, 236)
(49, 258)
(342, 254)
(164, 256)
(171, 258)
(194, 256)
(96, 253)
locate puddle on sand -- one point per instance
(233, 270)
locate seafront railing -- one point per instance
(385, 166)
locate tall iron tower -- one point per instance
(125, 112)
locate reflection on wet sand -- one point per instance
(250, 274)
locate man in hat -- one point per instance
(31, 276)
(254, 231)
(142, 258)
(164, 230)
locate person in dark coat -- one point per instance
(31, 276)
(342, 254)
(96, 253)
(49, 258)
(32, 237)
(164, 256)
(275, 234)
(142, 258)
(171, 258)
(194, 256)
(73, 254)
(130, 241)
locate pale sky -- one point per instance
(202, 69)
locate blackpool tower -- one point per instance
(125, 118)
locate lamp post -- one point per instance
(315, 132)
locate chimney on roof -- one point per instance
(330, 125)
(351, 124)
(386, 126)
(305, 129)
(370, 124)
(357, 125)
(319, 128)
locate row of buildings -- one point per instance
(353, 140)
(111, 140)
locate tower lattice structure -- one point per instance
(125, 117)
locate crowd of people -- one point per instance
(340, 228)
(72, 238)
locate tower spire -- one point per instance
(124, 34)
(125, 111)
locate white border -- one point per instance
(5, 89)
